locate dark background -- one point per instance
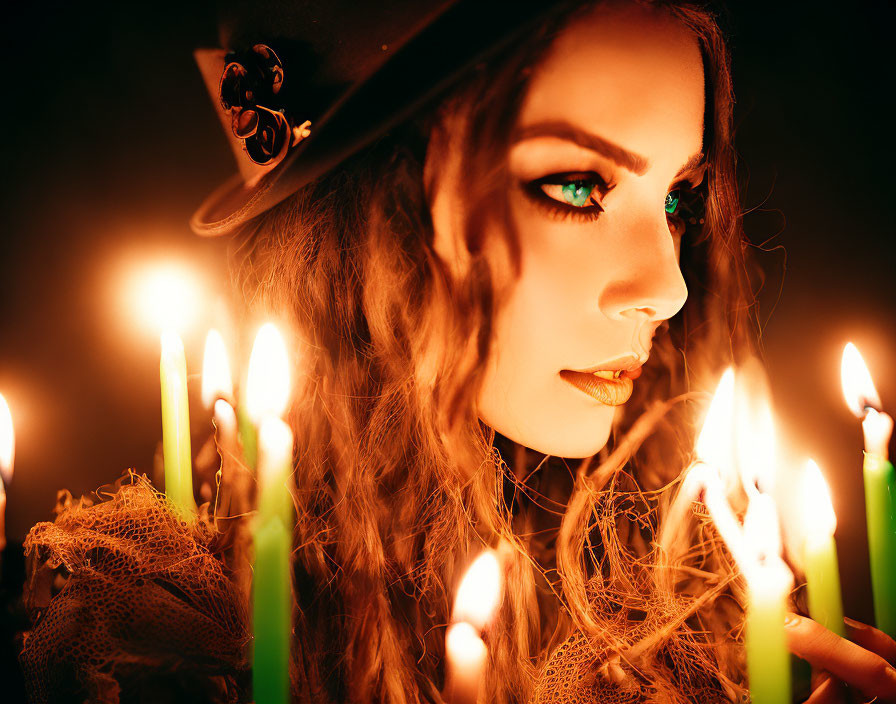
(109, 143)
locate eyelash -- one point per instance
(555, 208)
(535, 191)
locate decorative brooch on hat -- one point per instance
(250, 91)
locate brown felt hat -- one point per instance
(303, 85)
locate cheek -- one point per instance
(551, 309)
(547, 323)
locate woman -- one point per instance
(478, 284)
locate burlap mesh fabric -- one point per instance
(130, 603)
(651, 641)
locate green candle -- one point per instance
(880, 516)
(768, 660)
(248, 436)
(271, 593)
(769, 583)
(176, 423)
(880, 485)
(820, 551)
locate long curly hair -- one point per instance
(398, 484)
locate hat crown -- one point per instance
(341, 42)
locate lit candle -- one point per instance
(467, 655)
(820, 551)
(262, 396)
(167, 297)
(478, 597)
(176, 423)
(267, 399)
(769, 583)
(7, 457)
(716, 463)
(217, 394)
(880, 485)
(272, 593)
(736, 446)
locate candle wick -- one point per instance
(869, 405)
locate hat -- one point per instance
(305, 84)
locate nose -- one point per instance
(648, 281)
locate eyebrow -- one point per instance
(569, 132)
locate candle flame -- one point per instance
(762, 533)
(877, 428)
(819, 518)
(166, 297)
(225, 418)
(715, 442)
(7, 441)
(274, 447)
(216, 380)
(465, 647)
(172, 345)
(858, 387)
(755, 433)
(267, 386)
(716, 502)
(480, 591)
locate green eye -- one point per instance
(574, 194)
(577, 192)
(672, 198)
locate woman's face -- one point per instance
(611, 126)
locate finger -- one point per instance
(866, 671)
(872, 639)
(829, 691)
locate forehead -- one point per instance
(632, 74)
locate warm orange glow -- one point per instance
(7, 441)
(819, 519)
(858, 387)
(267, 386)
(716, 441)
(479, 593)
(216, 379)
(166, 296)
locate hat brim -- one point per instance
(422, 68)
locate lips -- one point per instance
(610, 392)
(611, 384)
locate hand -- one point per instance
(864, 664)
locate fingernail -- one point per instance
(791, 619)
(857, 625)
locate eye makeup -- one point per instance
(576, 195)
(579, 195)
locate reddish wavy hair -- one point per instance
(397, 483)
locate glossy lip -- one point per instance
(609, 392)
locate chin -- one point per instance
(585, 436)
